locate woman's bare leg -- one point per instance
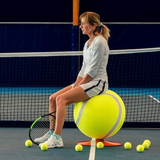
(52, 105)
(71, 96)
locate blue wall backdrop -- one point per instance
(124, 10)
(31, 37)
(49, 37)
(57, 37)
(61, 10)
(36, 10)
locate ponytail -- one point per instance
(104, 31)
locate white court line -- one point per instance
(154, 98)
(92, 149)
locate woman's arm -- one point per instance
(81, 80)
(78, 80)
(86, 79)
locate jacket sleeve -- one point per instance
(96, 58)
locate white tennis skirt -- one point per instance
(94, 88)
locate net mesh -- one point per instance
(28, 79)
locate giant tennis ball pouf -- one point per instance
(101, 116)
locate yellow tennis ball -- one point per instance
(145, 145)
(140, 148)
(101, 116)
(100, 145)
(148, 141)
(28, 143)
(127, 145)
(78, 147)
(44, 147)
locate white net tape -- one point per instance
(76, 53)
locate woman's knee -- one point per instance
(52, 99)
(60, 100)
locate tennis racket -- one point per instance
(41, 126)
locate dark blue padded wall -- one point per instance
(124, 10)
(61, 10)
(35, 37)
(36, 11)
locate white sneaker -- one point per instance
(53, 142)
(43, 138)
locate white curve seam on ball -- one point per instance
(81, 111)
(119, 116)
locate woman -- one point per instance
(91, 81)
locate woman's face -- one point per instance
(86, 27)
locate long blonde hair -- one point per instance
(94, 19)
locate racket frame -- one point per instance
(49, 114)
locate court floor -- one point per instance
(12, 146)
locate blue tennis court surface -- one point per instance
(13, 147)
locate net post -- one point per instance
(75, 40)
(75, 12)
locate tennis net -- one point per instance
(28, 79)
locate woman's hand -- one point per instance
(75, 85)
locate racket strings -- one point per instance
(41, 127)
